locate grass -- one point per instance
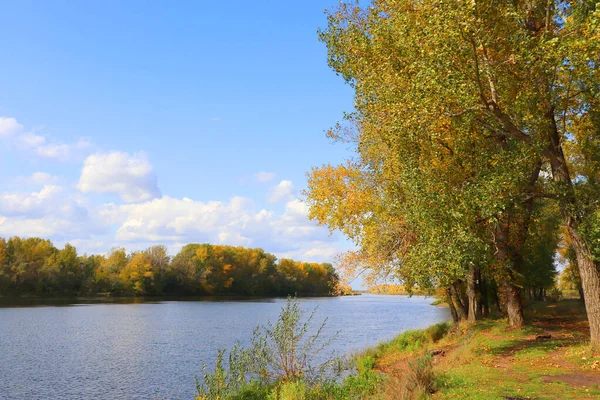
(481, 361)
(488, 360)
(439, 302)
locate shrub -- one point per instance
(554, 294)
(439, 301)
(290, 391)
(223, 382)
(409, 340)
(420, 379)
(436, 332)
(283, 352)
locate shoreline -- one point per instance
(544, 360)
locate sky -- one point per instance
(134, 123)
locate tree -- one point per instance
(107, 275)
(137, 275)
(159, 260)
(514, 81)
(35, 266)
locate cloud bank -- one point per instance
(128, 175)
(140, 215)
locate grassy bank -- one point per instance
(548, 359)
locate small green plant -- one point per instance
(439, 301)
(294, 390)
(436, 332)
(281, 352)
(286, 350)
(419, 381)
(223, 382)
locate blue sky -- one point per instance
(134, 123)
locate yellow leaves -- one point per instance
(339, 196)
(137, 270)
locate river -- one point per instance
(152, 350)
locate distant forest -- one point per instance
(34, 266)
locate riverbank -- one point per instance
(548, 359)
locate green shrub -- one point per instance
(439, 301)
(280, 353)
(361, 385)
(420, 379)
(409, 340)
(251, 391)
(365, 363)
(436, 332)
(295, 390)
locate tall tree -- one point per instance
(501, 87)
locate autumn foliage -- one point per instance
(35, 266)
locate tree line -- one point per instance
(477, 137)
(35, 266)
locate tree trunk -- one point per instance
(472, 294)
(588, 271)
(485, 305)
(451, 305)
(461, 307)
(509, 263)
(514, 306)
(497, 300)
(590, 283)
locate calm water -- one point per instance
(154, 350)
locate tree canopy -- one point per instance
(35, 266)
(476, 129)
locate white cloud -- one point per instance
(39, 145)
(29, 203)
(63, 214)
(284, 190)
(173, 221)
(50, 213)
(9, 127)
(55, 213)
(264, 176)
(40, 178)
(31, 140)
(62, 151)
(169, 219)
(129, 175)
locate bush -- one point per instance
(281, 353)
(554, 294)
(251, 391)
(409, 340)
(436, 332)
(290, 391)
(439, 301)
(419, 381)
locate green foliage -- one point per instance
(283, 355)
(476, 127)
(420, 379)
(591, 231)
(409, 341)
(436, 332)
(35, 266)
(539, 250)
(248, 376)
(294, 390)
